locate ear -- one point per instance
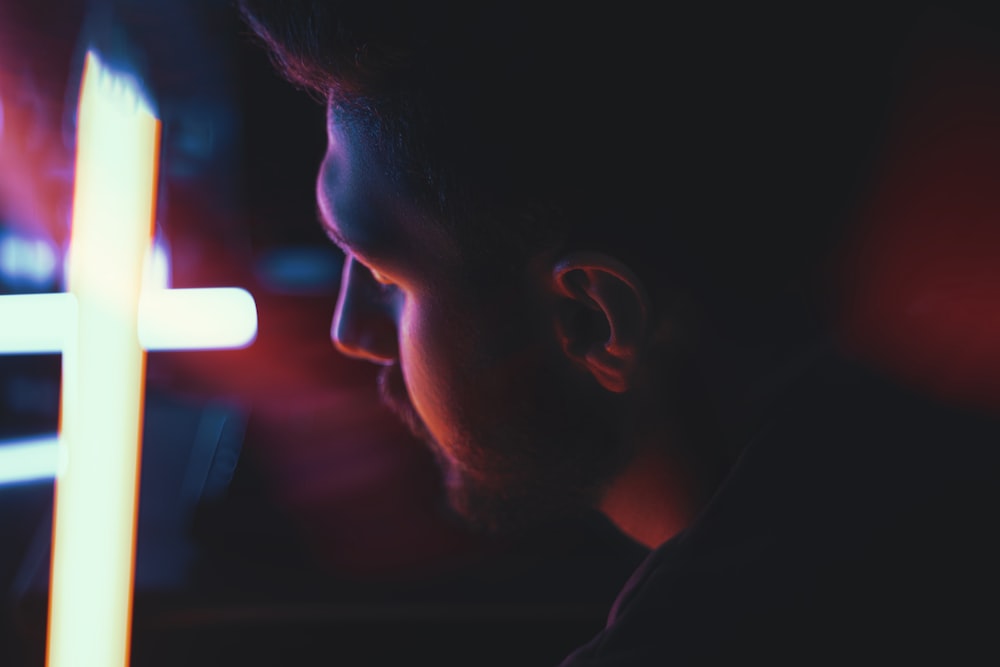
(603, 318)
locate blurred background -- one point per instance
(283, 513)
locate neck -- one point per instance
(665, 486)
(654, 497)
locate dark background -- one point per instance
(284, 514)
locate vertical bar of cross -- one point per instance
(96, 494)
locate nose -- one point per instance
(364, 325)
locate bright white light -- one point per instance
(93, 549)
(183, 319)
(197, 319)
(155, 265)
(29, 459)
(111, 274)
(35, 323)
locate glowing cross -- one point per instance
(103, 326)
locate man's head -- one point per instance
(553, 216)
(514, 375)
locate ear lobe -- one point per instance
(603, 321)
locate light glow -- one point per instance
(197, 319)
(29, 459)
(117, 306)
(93, 545)
(156, 273)
(26, 260)
(181, 319)
(35, 323)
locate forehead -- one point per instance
(365, 205)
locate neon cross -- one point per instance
(103, 326)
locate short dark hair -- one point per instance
(718, 148)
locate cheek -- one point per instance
(470, 372)
(431, 357)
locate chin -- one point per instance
(478, 512)
(494, 507)
(509, 475)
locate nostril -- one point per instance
(364, 348)
(362, 327)
(366, 336)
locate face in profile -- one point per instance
(473, 367)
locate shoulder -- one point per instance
(863, 522)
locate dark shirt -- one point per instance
(859, 527)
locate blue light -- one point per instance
(300, 270)
(26, 263)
